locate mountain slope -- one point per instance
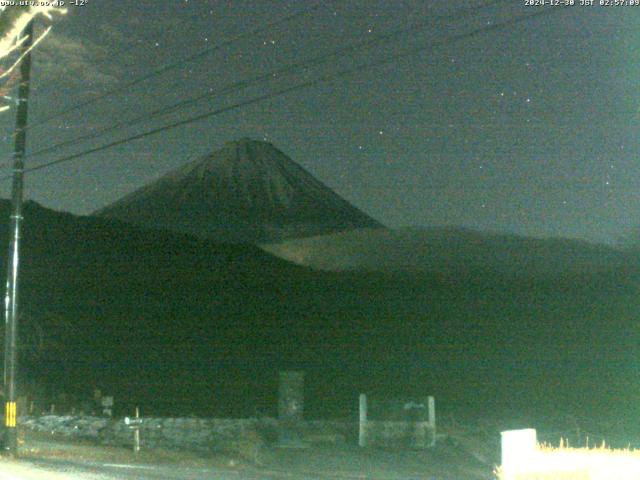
(175, 323)
(446, 250)
(248, 191)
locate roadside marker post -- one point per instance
(135, 424)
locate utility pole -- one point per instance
(11, 299)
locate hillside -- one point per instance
(446, 250)
(171, 322)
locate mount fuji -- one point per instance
(248, 191)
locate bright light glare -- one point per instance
(13, 21)
(602, 463)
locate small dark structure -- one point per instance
(290, 409)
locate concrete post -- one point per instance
(431, 406)
(362, 437)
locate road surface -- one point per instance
(58, 459)
(51, 469)
(69, 470)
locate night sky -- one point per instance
(531, 128)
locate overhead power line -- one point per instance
(448, 41)
(285, 70)
(172, 66)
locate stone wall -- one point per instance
(394, 434)
(196, 434)
(216, 434)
